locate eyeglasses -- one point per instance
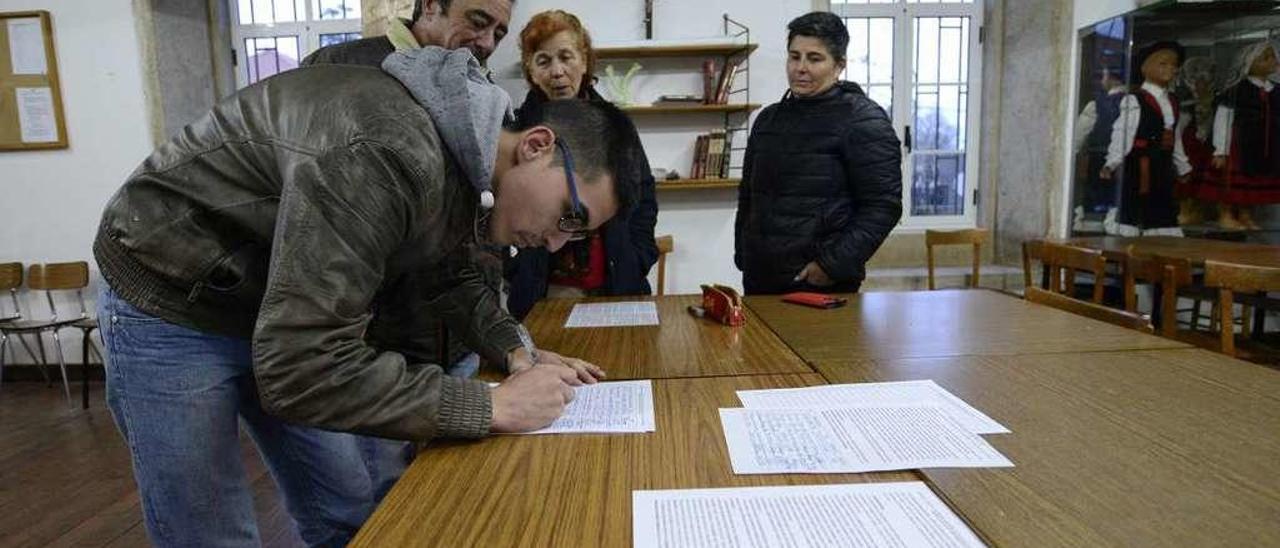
(575, 221)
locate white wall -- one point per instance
(50, 201)
(701, 220)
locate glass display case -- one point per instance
(1178, 121)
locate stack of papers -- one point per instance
(857, 428)
(607, 408)
(896, 393)
(866, 515)
(613, 314)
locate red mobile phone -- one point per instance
(816, 300)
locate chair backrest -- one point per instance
(1170, 273)
(666, 244)
(11, 280)
(52, 277)
(1032, 250)
(1091, 310)
(1064, 261)
(1232, 278)
(973, 236)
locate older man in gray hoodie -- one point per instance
(266, 265)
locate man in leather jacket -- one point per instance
(477, 25)
(266, 264)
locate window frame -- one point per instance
(904, 14)
(308, 32)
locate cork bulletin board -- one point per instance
(31, 115)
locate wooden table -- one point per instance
(682, 346)
(923, 324)
(1195, 250)
(1136, 448)
(575, 490)
(1119, 438)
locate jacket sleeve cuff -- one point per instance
(503, 340)
(832, 269)
(466, 408)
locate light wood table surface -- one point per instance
(575, 490)
(1196, 250)
(681, 346)
(960, 322)
(1136, 448)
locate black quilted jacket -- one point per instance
(822, 181)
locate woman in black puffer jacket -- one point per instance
(822, 180)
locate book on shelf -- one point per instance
(711, 156)
(667, 100)
(709, 81)
(725, 83)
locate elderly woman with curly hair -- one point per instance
(557, 59)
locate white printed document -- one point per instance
(851, 439)
(36, 118)
(857, 516)
(892, 393)
(607, 408)
(613, 314)
(26, 46)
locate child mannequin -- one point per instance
(1195, 81)
(1246, 138)
(1092, 136)
(1145, 144)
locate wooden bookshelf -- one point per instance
(691, 108)
(673, 50)
(696, 184)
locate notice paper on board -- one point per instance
(26, 46)
(861, 516)
(35, 115)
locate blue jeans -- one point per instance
(178, 396)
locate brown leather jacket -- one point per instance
(315, 212)
(436, 344)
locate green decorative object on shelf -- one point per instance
(620, 86)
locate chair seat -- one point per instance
(35, 325)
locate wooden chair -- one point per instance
(666, 244)
(1033, 250)
(1090, 310)
(10, 280)
(49, 278)
(974, 236)
(1170, 274)
(1231, 279)
(1063, 262)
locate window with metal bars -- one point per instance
(272, 36)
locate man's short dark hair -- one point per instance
(598, 136)
(825, 26)
(444, 8)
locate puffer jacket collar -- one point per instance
(841, 87)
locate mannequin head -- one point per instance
(1264, 64)
(1161, 67)
(1110, 80)
(1158, 63)
(1197, 75)
(1259, 60)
